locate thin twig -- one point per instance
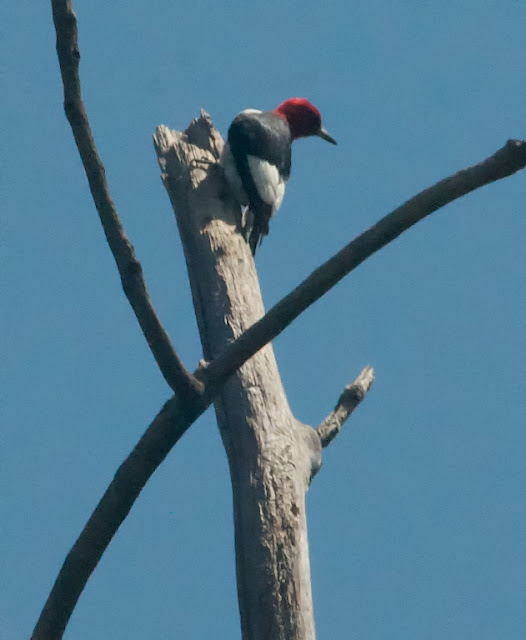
(506, 161)
(350, 398)
(130, 269)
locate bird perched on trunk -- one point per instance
(256, 159)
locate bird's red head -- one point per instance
(303, 119)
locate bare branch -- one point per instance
(167, 428)
(350, 398)
(129, 267)
(506, 161)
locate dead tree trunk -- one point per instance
(271, 455)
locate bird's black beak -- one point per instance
(323, 134)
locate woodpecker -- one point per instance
(257, 157)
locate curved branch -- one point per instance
(350, 398)
(129, 267)
(166, 429)
(506, 161)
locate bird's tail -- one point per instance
(257, 221)
(256, 235)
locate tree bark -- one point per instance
(271, 455)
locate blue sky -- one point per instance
(417, 521)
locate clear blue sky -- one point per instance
(417, 521)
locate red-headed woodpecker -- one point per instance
(256, 158)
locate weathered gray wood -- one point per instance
(349, 399)
(271, 455)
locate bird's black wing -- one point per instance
(264, 135)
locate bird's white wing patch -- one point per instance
(269, 183)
